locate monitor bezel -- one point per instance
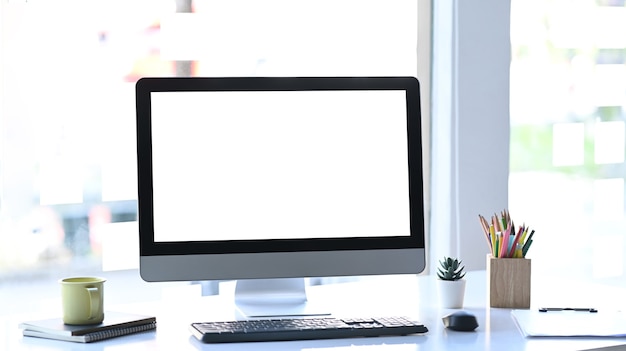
(147, 245)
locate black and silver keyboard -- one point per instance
(303, 329)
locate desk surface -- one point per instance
(412, 296)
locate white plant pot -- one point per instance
(451, 293)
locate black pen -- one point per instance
(551, 309)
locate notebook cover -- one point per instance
(95, 336)
(55, 326)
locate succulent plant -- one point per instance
(450, 269)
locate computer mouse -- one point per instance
(460, 321)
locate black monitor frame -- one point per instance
(148, 246)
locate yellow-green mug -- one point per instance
(83, 300)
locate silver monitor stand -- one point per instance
(263, 298)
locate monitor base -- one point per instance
(275, 298)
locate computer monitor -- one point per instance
(261, 178)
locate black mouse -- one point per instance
(460, 321)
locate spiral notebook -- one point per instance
(115, 324)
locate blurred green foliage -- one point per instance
(531, 150)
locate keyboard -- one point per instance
(303, 329)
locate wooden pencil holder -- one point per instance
(508, 280)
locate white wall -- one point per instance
(470, 124)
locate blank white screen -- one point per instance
(279, 164)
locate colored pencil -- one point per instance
(485, 226)
(514, 247)
(503, 239)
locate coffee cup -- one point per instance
(83, 300)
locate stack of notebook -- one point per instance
(114, 324)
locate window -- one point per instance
(67, 128)
(568, 126)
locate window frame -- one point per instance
(470, 124)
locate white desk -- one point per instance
(412, 296)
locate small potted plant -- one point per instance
(451, 284)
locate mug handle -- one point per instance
(94, 302)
